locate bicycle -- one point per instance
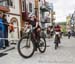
(69, 35)
(28, 45)
(57, 40)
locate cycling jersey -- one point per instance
(57, 28)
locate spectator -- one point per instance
(2, 42)
(6, 30)
(11, 30)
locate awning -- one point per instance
(4, 9)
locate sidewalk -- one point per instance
(11, 46)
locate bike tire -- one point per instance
(56, 46)
(68, 36)
(21, 52)
(42, 51)
(57, 41)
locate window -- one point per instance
(23, 5)
(30, 7)
(1, 3)
(10, 3)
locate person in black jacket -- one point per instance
(6, 24)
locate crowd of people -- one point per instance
(4, 26)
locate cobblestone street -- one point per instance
(65, 54)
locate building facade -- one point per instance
(14, 16)
(44, 7)
(3, 6)
(17, 12)
(68, 25)
(72, 22)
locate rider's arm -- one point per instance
(26, 27)
(37, 23)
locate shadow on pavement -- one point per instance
(9, 49)
(3, 54)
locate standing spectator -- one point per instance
(5, 30)
(11, 30)
(2, 42)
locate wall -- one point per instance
(9, 19)
(15, 13)
(15, 9)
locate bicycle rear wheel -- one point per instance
(57, 41)
(42, 45)
(25, 47)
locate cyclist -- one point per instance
(69, 31)
(33, 21)
(57, 29)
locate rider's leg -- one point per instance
(34, 39)
(59, 38)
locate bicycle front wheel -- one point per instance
(25, 47)
(56, 46)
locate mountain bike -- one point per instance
(69, 35)
(57, 40)
(26, 45)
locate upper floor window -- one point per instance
(23, 5)
(1, 3)
(10, 3)
(30, 7)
